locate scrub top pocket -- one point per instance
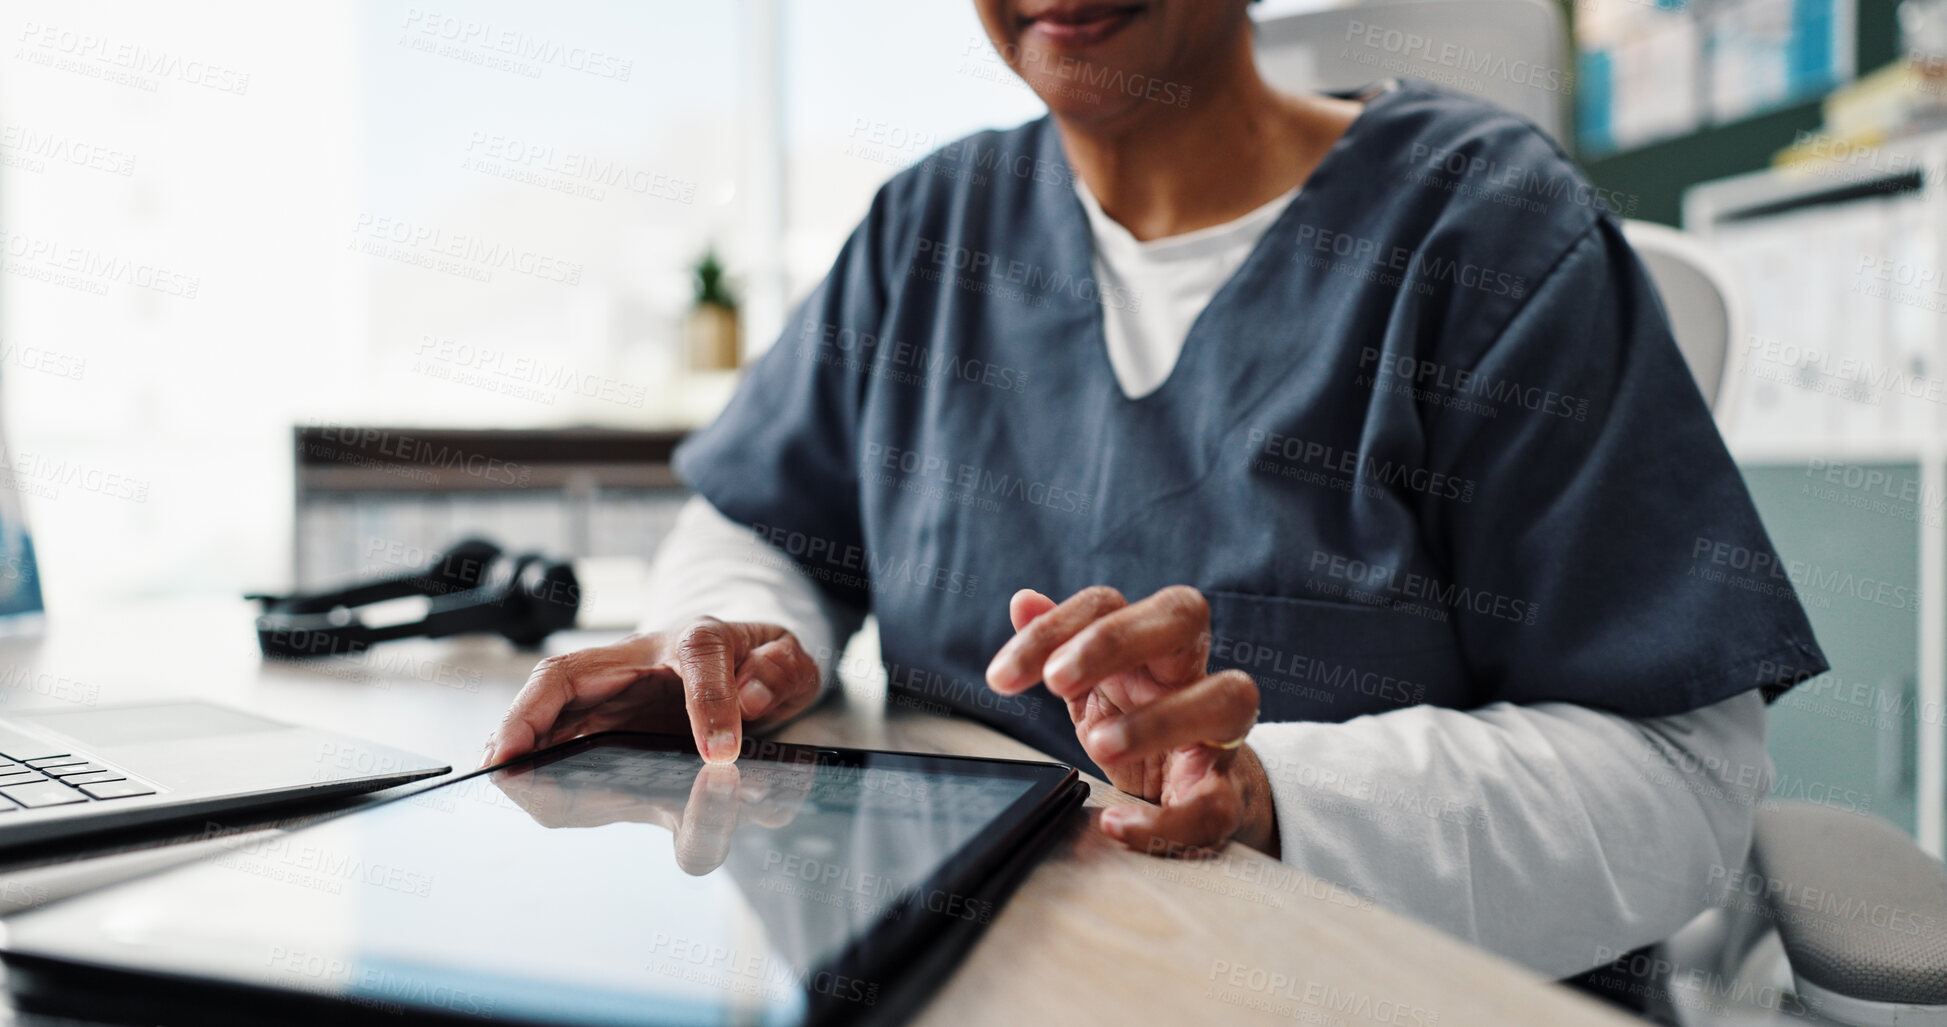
(1316, 660)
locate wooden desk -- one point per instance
(1095, 934)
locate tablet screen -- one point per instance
(611, 880)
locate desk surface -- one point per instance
(1095, 934)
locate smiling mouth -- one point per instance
(1081, 25)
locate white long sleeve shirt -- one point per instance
(1552, 834)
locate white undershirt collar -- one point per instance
(1160, 286)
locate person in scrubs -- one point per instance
(1319, 468)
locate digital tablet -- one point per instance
(615, 879)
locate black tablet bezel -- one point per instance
(984, 871)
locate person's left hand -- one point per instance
(1135, 678)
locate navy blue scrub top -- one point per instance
(1432, 443)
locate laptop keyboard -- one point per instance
(33, 774)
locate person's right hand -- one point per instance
(709, 674)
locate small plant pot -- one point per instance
(710, 334)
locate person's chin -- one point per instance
(1106, 84)
(1085, 104)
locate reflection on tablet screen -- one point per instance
(705, 893)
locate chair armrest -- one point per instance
(1861, 910)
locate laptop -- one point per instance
(72, 771)
(66, 772)
(615, 879)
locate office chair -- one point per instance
(1698, 300)
(1837, 915)
(1512, 52)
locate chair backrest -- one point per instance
(1512, 52)
(1700, 300)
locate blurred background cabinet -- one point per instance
(374, 501)
(1839, 425)
(1852, 736)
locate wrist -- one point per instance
(1260, 827)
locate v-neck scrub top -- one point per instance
(1432, 441)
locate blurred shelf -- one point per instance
(1763, 453)
(372, 500)
(361, 458)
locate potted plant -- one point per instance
(711, 329)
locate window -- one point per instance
(221, 220)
